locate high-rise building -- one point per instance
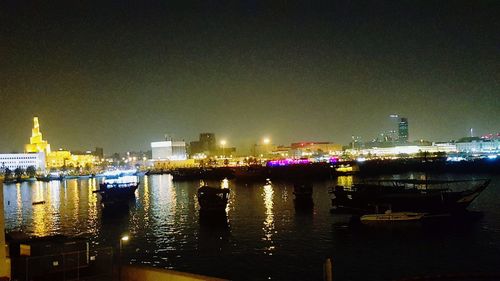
(403, 130)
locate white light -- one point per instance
(361, 159)
(125, 238)
(161, 144)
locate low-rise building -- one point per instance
(478, 145)
(168, 150)
(406, 150)
(308, 149)
(22, 160)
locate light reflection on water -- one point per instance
(264, 237)
(268, 195)
(345, 181)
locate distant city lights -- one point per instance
(287, 162)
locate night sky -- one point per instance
(122, 75)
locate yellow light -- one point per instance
(125, 238)
(223, 142)
(267, 140)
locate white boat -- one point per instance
(390, 216)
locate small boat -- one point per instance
(213, 198)
(51, 177)
(113, 191)
(389, 216)
(303, 195)
(38, 202)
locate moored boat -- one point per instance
(303, 195)
(212, 199)
(113, 191)
(433, 197)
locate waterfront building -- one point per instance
(168, 150)
(308, 149)
(206, 145)
(478, 145)
(65, 159)
(22, 160)
(60, 158)
(37, 143)
(409, 150)
(263, 150)
(281, 151)
(403, 130)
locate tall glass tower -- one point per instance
(403, 130)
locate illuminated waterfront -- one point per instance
(265, 238)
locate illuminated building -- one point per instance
(478, 145)
(305, 149)
(57, 159)
(281, 151)
(403, 130)
(54, 159)
(37, 144)
(168, 150)
(395, 151)
(22, 160)
(64, 158)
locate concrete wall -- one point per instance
(142, 273)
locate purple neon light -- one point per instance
(333, 160)
(286, 162)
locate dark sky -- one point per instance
(122, 74)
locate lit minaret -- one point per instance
(37, 144)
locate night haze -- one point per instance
(122, 75)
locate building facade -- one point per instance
(168, 150)
(59, 158)
(22, 160)
(206, 144)
(403, 130)
(307, 149)
(479, 146)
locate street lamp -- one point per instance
(123, 239)
(223, 144)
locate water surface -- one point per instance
(263, 236)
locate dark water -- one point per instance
(264, 237)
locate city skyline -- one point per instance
(221, 139)
(119, 76)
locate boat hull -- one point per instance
(376, 199)
(109, 193)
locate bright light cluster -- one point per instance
(287, 162)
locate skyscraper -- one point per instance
(403, 130)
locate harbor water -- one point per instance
(263, 236)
